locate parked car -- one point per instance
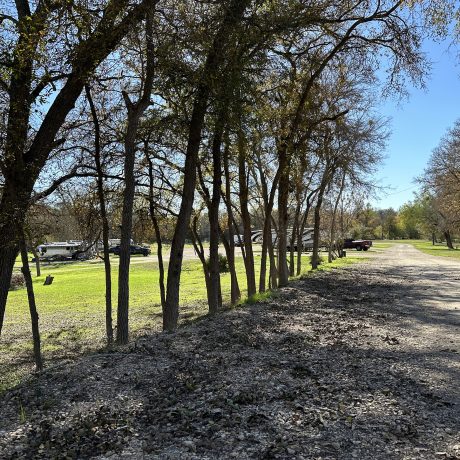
(357, 244)
(134, 249)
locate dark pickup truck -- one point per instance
(357, 244)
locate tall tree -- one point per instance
(25, 150)
(209, 77)
(135, 110)
(104, 217)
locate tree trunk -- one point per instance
(269, 201)
(296, 238)
(198, 246)
(126, 228)
(317, 225)
(37, 262)
(300, 234)
(161, 268)
(273, 268)
(215, 301)
(156, 227)
(283, 196)
(104, 219)
(235, 292)
(245, 216)
(32, 307)
(135, 112)
(316, 234)
(210, 75)
(448, 237)
(334, 214)
(13, 208)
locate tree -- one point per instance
(233, 14)
(26, 150)
(135, 110)
(442, 180)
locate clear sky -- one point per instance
(418, 124)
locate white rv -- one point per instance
(307, 239)
(257, 237)
(59, 249)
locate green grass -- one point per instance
(382, 244)
(72, 309)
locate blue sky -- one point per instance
(418, 124)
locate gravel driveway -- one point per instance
(360, 363)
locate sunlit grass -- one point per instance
(382, 244)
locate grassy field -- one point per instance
(72, 309)
(377, 244)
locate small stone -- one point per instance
(189, 444)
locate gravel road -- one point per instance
(359, 363)
(429, 305)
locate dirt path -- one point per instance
(429, 307)
(361, 363)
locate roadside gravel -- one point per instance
(362, 363)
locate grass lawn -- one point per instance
(382, 244)
(72, 309)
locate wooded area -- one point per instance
(229, 111)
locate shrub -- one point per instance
(17, 281)
(223, 264)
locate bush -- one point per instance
(17, 281)
(223, 264)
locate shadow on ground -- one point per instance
(325, 370)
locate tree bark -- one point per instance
(334, 214)
(302, 229)
(245, 216)
(198, 246)
(448, 237)
(283, 197)
(135, 112)
(215, 301)
(269, 201)
(317, 225)
(156, 227)
(32, 307)
(37, 262)
(273, 267)
(104, 218)
(316, 234)
(235, 292)
(296, 237)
